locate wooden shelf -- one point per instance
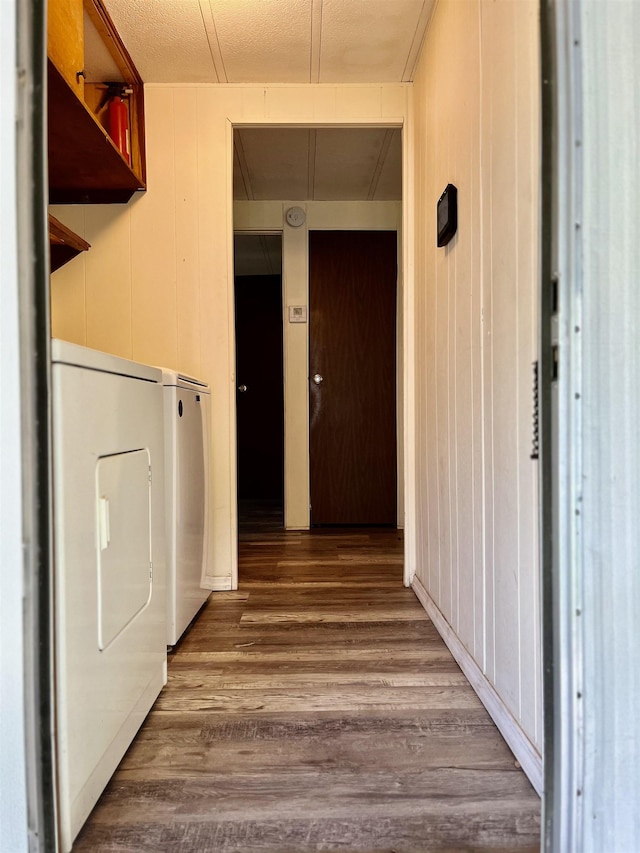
(63, 243)
(85, 167)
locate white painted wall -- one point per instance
(475, 312)
(157, 284)
(13, 782)
(270, 216)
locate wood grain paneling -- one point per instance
(356, 732)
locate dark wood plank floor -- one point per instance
(316, 709)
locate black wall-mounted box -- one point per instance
(447, 214)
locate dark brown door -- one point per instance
(259, 394)
(352, 376)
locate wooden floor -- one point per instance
(316, 709)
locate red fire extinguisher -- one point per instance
(119, 125)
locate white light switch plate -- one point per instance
(297, 313)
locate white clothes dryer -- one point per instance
(109, 572)
(187, 409)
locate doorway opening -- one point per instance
(259, 380)
(301, 181)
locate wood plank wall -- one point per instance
(158, 285)
(476, 125)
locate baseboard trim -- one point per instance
(219, 584)
(510, 729)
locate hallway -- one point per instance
(316, 709)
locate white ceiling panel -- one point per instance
(272, 41)
(276, 162)
(346, 163)
(264, 42)
(325, 164)
(167, 40)
(370, 40)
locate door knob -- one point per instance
(318, 379)
(242, 388)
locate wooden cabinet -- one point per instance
(89, 64)
(65, 41)
(63, 243)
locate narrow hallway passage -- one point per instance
(316, 708)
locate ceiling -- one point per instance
(272, 41)
(324, 164)
(286, 41)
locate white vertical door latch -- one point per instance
(103, 523)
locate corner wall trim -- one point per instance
(510, 729)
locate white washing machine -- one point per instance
(109, 574)
(187, 408)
